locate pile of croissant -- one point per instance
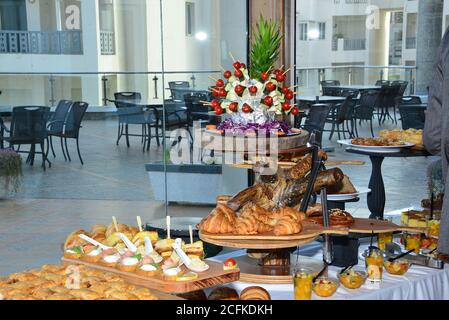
(252, 220)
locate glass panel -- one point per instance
(367, 44)
(192, 60)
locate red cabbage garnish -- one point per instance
(240, 128)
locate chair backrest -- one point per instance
(346, 109)
(316, 118)
(325, 83)
(369, 99)
(349, 92)
(29, 123)
(412, 116)
(59, 116)
(402, 84)
(388, 95)
(126, 96)
(380, 83)
(331, 91)
(408, 100)
(75, 117)
(178, 95)
(193, 104)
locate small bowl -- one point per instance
(324, 287)
(398, 267)
(352, 281)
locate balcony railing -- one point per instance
(107, 42)
(354, 44)
(410, 43)
(351, 1)
(39, 42)
(349, 44)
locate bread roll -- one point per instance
(255, 293)
(223, 293)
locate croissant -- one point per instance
(287, 226)
(221, 220)
(247, 226)
(294, 214)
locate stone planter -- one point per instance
(195, 183)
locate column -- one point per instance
(430, 24)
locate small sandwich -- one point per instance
(164, 247)
(110, 258)
(172, 274)
(148, 268)
(74, 253)
(130, 261)
(172, 262)
(92, 253)
(195, 250)
(139, 239)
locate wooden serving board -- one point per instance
(310, 233)
(213, 277)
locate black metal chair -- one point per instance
(380, 83)
(388, 95)
(364, 110)
(403, 86)
(176, 117)
(130, 113)
(340, 115)
(196, 110)
(316, 120)
(178, 89)
(330, 91)
(28, 127)
(56, 123)
(412, 116)
(71, 128)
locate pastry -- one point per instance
(198, 295)
(110, 258)
(129, 263)
(91, 254)
(148, 270)
(171, 274)
(223, 293)
(194, 250)
(344, 187)
(73, 253)
(287, 226)
(230, 264)
(246, 226)
(61, 296)
(221, 220)
(255, 293)
(164, 247)
(73, 240)
(85, 294)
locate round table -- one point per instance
(376, 198)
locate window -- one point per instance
(190, 18)
(322, 29)
(303, 30)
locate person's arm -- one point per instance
(433, 125)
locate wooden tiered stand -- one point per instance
(268, 258)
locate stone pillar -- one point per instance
(430, 25)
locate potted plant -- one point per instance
(10, 172)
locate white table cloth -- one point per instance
(419, 283)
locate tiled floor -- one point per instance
(113, 181)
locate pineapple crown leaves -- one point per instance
(265, 46)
